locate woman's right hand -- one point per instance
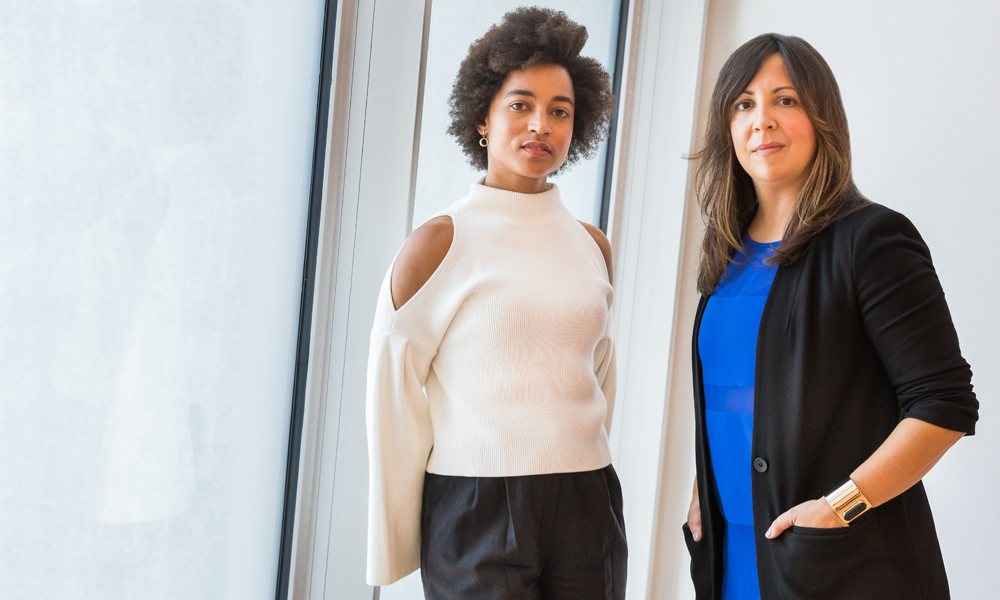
(694, 514)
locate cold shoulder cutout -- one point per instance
(420, 256)
(604, 245)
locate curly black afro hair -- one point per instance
(527, 37)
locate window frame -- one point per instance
(611, 157)
(367, 194)
(306, 303)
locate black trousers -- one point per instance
(559, 536)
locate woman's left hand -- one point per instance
(814, 513)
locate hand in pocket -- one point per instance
(815, 514)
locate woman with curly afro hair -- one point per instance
(491, 374)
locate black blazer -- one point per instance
(855, 336)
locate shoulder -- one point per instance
(883, 245)
(420, 256)
(868, 228)
(871, 216)
(603, 244)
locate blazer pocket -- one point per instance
(827, 531)
(844, 562)
(701, 564)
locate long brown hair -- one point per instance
(725, 191)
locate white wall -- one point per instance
(920, 83)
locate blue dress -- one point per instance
(727, 343)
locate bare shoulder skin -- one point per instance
(419, 257)
(605, 246)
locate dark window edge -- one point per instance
(319, 160)
(616, 83)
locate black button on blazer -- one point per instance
(855, 336)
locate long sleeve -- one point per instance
(399, 443)
(907, 319)
(605, 369)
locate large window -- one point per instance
(156, 166)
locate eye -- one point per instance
(743, 105)
(561, 112)
(518, 105)
(786, 101)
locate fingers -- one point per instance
(780, 524)
(694, 521)
(694, 514)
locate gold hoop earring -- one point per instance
(483, 141)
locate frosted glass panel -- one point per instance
(443, 173)
(155, 161)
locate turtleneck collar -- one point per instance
(514, 204)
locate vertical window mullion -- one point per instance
(324, 92)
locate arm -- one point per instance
(397, 414)
(907, 320)
(902, 460)
(605, 367)
(604, 245)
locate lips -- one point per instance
(768, 148)
(538, 149)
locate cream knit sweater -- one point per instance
(511, 340)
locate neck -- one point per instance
(775, 207)
(516, 207)
(513, 182)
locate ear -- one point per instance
(484, 127)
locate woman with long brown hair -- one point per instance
(827, 371)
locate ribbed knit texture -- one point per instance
(511, 339)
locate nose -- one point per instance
(539, 122)
(764, 118)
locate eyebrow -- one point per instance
(774, 91)
(566, 99)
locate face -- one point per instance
(529, 128)
(773, 137)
